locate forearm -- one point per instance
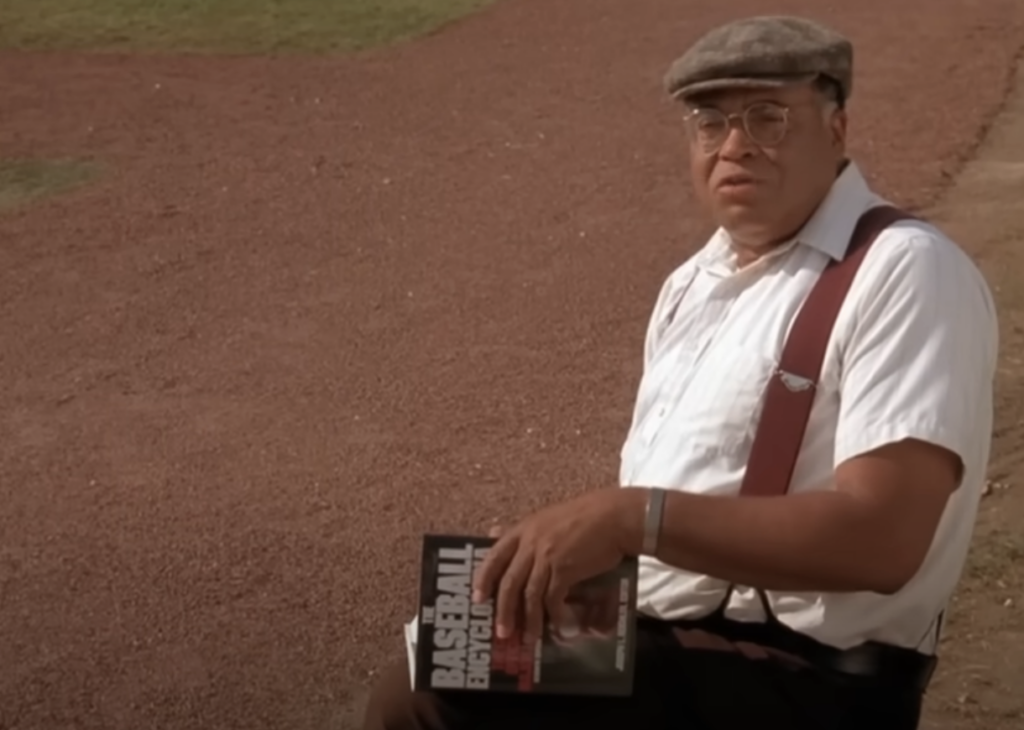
(819, 541)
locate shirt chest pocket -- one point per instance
(724, 398)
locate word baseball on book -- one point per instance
(588, 649)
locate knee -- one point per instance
(392, 705)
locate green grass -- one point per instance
(996, 557)
(22, 181)
(228, 26)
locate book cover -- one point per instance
(452, 644)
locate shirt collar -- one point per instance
(828, 230)
(832, 224)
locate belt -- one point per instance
(870, 663)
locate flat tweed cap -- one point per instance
(762, 52)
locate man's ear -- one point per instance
(837, 125)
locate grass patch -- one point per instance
(998, 556)
(227, 26)
(22, 181)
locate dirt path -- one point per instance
(982, 681)
(319, 306)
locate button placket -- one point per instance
(709, 320)
(705, 324)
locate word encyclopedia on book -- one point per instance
(452, 643)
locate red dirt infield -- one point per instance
(319, 306)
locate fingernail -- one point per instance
(502, 631)
(478, 596)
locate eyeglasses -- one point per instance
(765, 124)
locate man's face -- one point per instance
(761, 185)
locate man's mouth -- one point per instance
(737, 181)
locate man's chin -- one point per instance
(736, 214)
(740, 199)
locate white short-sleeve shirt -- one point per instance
(913, 354)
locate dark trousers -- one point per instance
(689, 676)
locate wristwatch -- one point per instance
(652, 520)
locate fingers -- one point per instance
(509, 571)
(486, 577)
(509, 603)
(533, 601)
(522, 585)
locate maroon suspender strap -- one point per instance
(790, 392)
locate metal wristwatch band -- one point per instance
(652, 520)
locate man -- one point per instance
(755, 608)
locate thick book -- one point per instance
(452, 644)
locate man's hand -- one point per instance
(535, 562)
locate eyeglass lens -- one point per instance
(765, 124)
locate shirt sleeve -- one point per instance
(920, 357)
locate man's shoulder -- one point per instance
(912, 234)
(917, 253)
(917, 278)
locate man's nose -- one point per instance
(736, 143)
